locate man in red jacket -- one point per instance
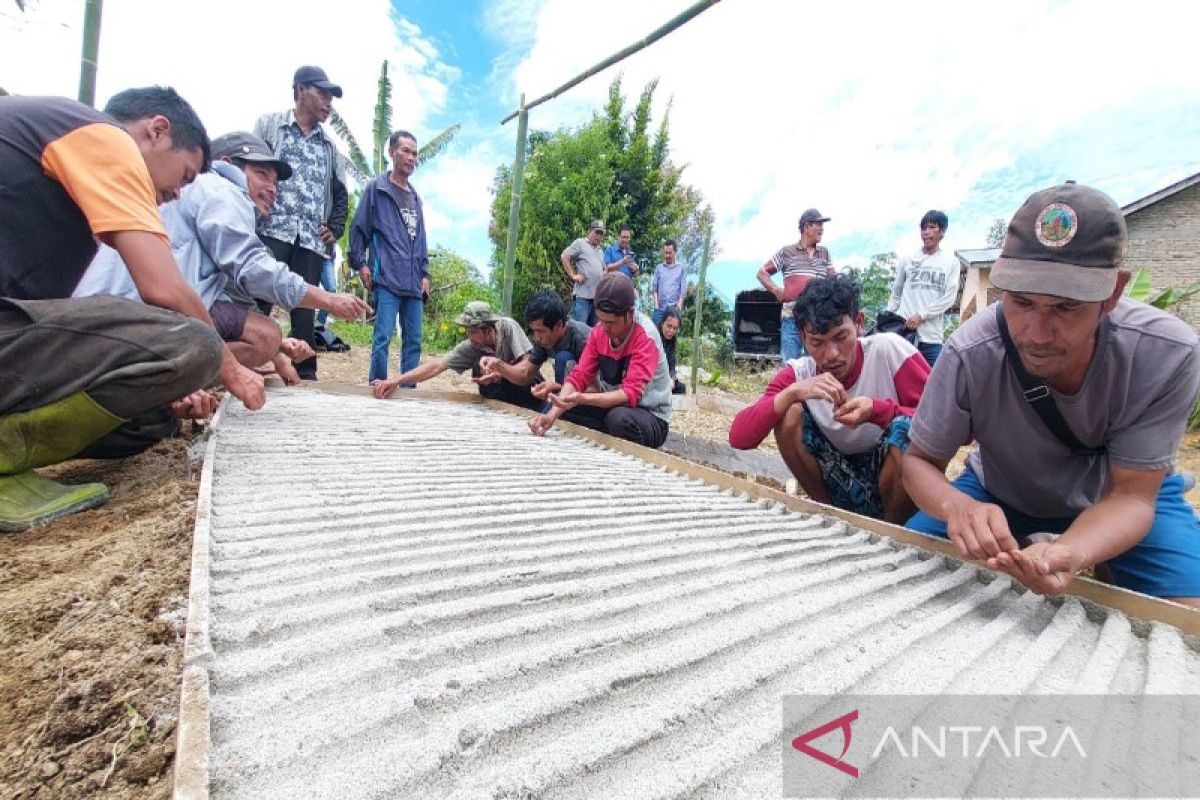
(841, 414)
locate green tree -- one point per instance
(614, 168)
(715, 318)
(995, 234)
(875, 281)
(454, 281)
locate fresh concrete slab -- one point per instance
(418, 598)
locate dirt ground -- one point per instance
(92, 612)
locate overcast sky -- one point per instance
(873, 112)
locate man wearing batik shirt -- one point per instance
(621, 385)
(799, 263)
(310, 211)
(841, 415)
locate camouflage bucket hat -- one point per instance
(477, 312)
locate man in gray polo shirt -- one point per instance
(583, 261)
(1077, 428)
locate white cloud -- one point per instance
(233, 60)
(875, 112)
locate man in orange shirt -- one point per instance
(74, 370)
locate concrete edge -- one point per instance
(192, 734)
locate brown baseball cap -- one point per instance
(1066, 241)
(812, 215)
(615, 294)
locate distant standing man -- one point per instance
(618, 257)
(799, 263)
(310, 211)
(926, 285)
(389, 224)
(583, 262)
(669, 285)
(1078, 399)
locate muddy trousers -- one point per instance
(131, 359)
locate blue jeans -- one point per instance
(389, 305)
(931, 351)
(1165, 563)
(584, 310)
(329, 284)
(790, 344)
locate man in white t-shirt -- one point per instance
(841, 414)
(926, 285)
(1078, 399)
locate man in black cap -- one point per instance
(1078, 399)
(621, 385)
(799, 263)
(310, 212)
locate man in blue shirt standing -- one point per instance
(618, 257)
(670, 283)
(389, 225)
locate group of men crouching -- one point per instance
(1075, 397)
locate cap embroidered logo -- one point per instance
(1056, 225)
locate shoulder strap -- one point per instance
(1037, 394)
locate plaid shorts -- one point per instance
(853, 479)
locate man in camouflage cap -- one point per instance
(1078, 398)
(492, 342)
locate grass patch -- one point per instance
(355, 334)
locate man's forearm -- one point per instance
(1110, 527)
(927, 485)
(566, 267)
(609, 399)
(430, 369)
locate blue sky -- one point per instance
(873, 112)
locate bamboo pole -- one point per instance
(91, 51)
(675, 22)
(700, 307)
(514, 210)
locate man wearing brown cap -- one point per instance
(583, 262)
(622, 384)
(495, 350)
(799, 263)
(1078, 399)
(310, 212)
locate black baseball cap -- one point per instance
(244, 146)
(1065, 241)
(315, 76)
(810, 216)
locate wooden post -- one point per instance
(514, 209)
(91, 51)
(700, 307)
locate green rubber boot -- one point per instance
(48, 435)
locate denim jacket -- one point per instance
(398, 261)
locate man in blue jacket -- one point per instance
(387, 247)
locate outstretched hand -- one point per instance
(383, 389)
(1047, 568)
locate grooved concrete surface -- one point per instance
(419, 599)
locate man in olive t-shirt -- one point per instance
(1123, 376)
(491, 340)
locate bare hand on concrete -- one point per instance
(383, 388)
(1047, 569)
(979, 530)
(541, 423)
